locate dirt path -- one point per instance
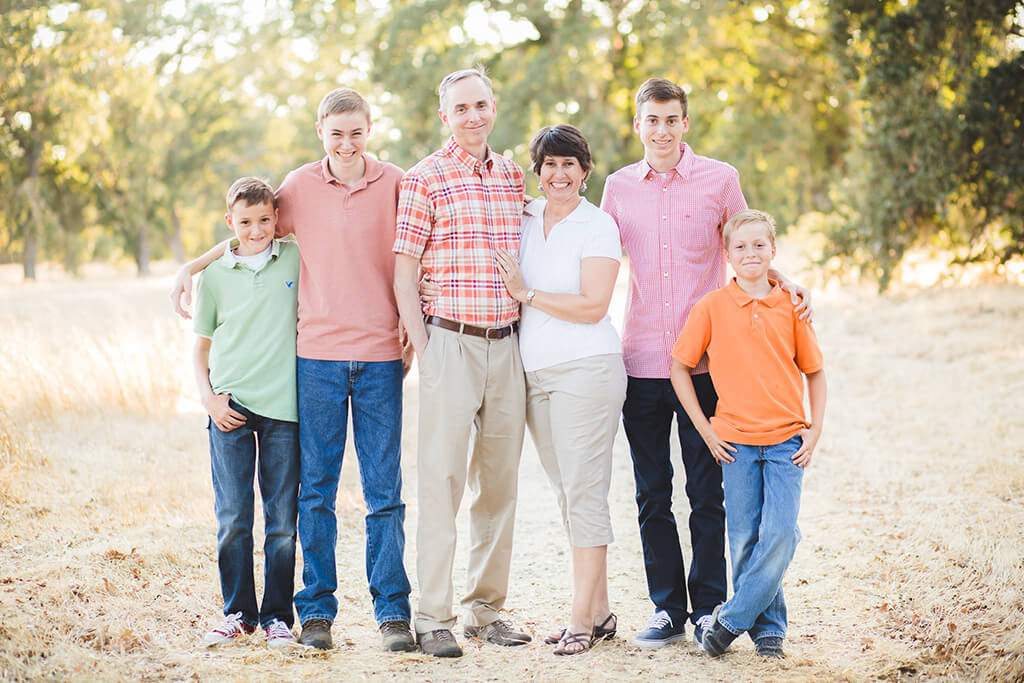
(910, 564)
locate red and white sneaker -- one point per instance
(232, 628)
(280, 636)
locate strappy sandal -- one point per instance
(601, 632)
(584, 639)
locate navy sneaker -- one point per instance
(701, 627)
(660, 632)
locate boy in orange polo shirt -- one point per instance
(758, 352)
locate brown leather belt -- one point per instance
(489, 333)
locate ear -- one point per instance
(443, 117)
(227, 219)
(636, 122)
(320, 131)
(686, 124)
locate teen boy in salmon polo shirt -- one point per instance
(342, 210)
(670, 208)
(458, 206)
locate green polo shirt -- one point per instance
(250, 316)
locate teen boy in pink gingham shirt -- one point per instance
(670, 208)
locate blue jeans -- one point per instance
(375, 391)
(647, 418)
(233, 461)
(762, 500)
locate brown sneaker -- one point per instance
(498, 632)
(439, 643)
(316, 633)
(396, 636)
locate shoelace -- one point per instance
(443, 634)
(394, 627)
(500, 625)
(232, 623)
(279, 629)
(660, 620)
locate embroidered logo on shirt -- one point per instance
(289, 283)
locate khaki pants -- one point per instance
(573, 411)
(467, 384)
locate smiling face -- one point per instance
(344, 138)
(561, 177)
(469, 112)
(750, 251)
(660, 126)
(254, 225)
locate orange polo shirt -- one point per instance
(758, 351)
(347, 309)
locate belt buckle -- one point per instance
(496, 330)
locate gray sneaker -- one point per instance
(396, 636)
(316, 633)
(439, 643)
(770, 647)
(498, 632)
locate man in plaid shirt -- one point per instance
(455, 208)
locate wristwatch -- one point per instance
(529, 296)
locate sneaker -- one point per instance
(396, 636)
(717, 638)
(233, 627)
(660, 632)
(316, 633)
(439, 643)
(770, 647)
(498, 632)
(701, 627)
(280, 636)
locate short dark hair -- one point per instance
(660, 90)
(252, 191)
(562, 140)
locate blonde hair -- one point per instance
(340, 101)
(746, 217)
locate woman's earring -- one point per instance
(540, 188)
(583, 187)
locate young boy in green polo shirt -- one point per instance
(244, 362)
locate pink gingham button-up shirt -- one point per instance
(671, 228)
(453, 212)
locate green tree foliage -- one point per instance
(938, 152)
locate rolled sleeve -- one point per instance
(415, 217)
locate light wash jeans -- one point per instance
(762, 501)
(374, 389)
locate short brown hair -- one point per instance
(746, 217)
(340, 101)
(252, 191)
(562, 140)
(660, 90)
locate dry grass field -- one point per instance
(912, 563)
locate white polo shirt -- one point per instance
(553, 264)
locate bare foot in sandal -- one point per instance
(573, 643)
(606, 630)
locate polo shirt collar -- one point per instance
(374, 170)
(470, 162)
(775, 297)
(682, 168)
(230, 259)
(578, 215)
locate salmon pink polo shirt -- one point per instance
(671, 228)
(347, 309)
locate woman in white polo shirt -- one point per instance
(575, 380)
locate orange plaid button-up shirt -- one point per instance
(453, 212)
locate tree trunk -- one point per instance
(177, 246)
(142, 250)
(30, 250)
(34, 224)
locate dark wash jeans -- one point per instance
(374, 389)
(647, 418)
(233, 462)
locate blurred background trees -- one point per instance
(883, 126)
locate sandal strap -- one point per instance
(584, 639)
